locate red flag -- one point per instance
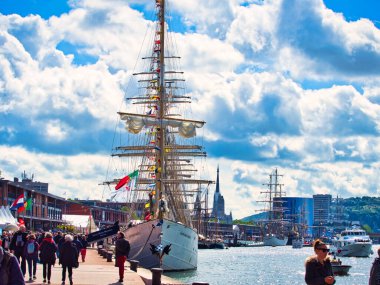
(122, 182)
(21, 222)
(126, 179)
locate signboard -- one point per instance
(104, 233)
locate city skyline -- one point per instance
(290, 84)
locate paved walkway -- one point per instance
(97, 271)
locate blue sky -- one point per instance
(290, 84)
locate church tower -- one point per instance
(218, 204)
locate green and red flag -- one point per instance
(126, 179)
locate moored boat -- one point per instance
(160, 160)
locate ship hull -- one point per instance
(275, 241)
(355, 250)
(183, 253)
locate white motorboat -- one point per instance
(352, 243)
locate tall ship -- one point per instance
(352, 242)
(274, 228)
(158, 172)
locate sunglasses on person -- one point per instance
(324, 249)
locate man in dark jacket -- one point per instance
(18, 242)
(374, 278)
(10, 272)
(121, 253)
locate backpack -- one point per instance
(19, 241)
(30, 248)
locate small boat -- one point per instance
(297, 243)
(338, 268)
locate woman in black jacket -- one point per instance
(68, 257)
(47, 249)
(318, 267)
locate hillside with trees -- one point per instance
(365, 209)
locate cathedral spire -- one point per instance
(217, 180)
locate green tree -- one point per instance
(367, 228)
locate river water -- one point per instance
(265, 265)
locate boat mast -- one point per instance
(160, 163)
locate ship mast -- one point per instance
(161, 134)
(164, 160)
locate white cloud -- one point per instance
(302, 95)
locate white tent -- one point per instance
(7, 221)
(82, 223)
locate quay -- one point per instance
(97, 271)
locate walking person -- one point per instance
(58, 241)
(122, 249)
(374, 277)
(10, 271)
(77, 244)
(68, 257)
(16, 247)
(31, 256)
(48, 250)
(83, 250)
(318, 267)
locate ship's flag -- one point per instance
(126, 179)
(18, 203)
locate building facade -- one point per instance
(47, 209)
(322, 213)
(300, 212)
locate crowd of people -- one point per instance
(22, 251)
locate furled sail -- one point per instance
(134, 123)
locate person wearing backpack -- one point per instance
(10, 272)
(17, 245)
(31, 256)
(48, 250)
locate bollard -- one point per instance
(134, 265)
(156, 276)
(104, 253)
(109, 256)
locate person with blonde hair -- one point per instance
(318, 266)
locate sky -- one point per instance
(286, 84)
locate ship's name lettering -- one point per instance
(185, 235)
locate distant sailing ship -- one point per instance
(162, 185)
(274, 226)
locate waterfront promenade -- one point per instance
(97, 271)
